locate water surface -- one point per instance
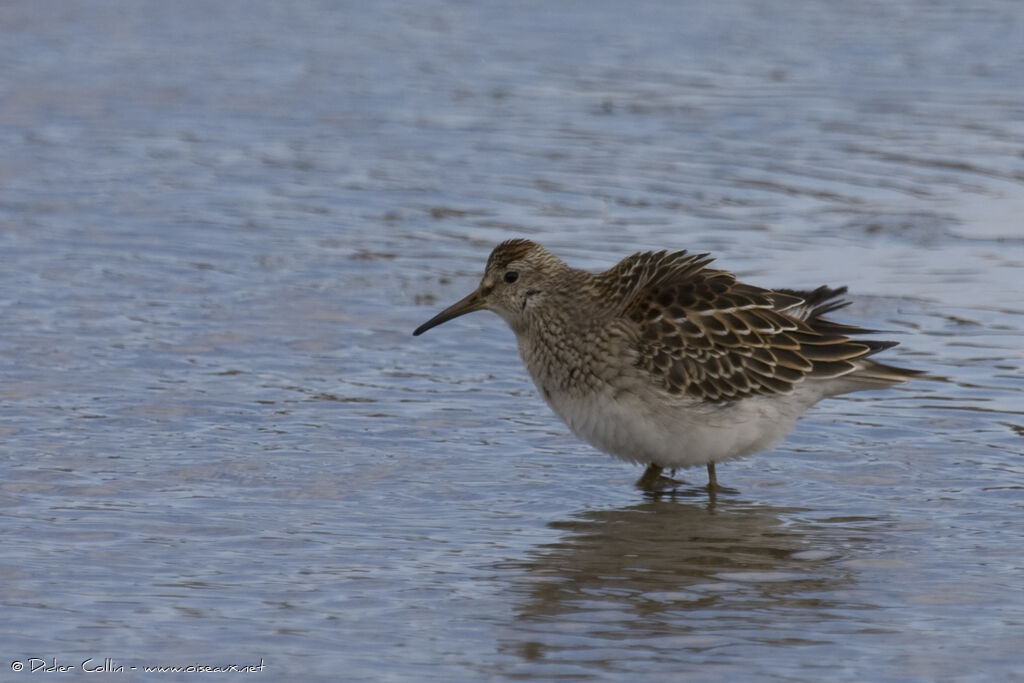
(219, 224)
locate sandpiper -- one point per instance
(665, 361)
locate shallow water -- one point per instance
(219, 224)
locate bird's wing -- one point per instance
(702, 333)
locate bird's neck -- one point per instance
(554, 340)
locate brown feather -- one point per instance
(702, 333)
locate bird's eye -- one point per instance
(511, 276)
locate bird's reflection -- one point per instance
(666, 573)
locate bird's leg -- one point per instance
(712, 479)
(653, 479)
(650, 477)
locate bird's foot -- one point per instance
(713, 486)
(653, 481)
(715, 489)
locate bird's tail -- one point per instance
(880, 375)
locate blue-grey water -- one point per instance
(220, 445)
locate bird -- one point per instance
(664, 361)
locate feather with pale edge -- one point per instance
(702, 333)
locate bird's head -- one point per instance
(517, 277)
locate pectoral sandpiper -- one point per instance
(664, 361)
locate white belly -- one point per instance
(680, 432)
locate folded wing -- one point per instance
(702, 333)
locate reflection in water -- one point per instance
(662, 578)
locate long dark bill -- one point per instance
(473, 302)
